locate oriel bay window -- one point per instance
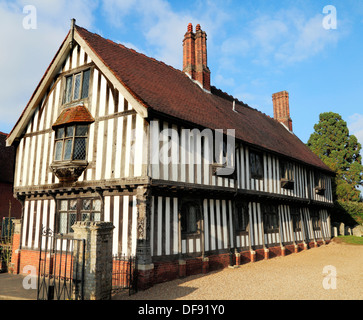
(72, 210)
(70, 143)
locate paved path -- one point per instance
(11, 288)
(294, 277)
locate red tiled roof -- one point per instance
(77, 114)
(169, 91)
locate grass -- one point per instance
(349, 240)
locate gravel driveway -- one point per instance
(294, 277)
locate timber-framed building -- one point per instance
(112, 135)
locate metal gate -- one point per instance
(124, 274)
(61, 267)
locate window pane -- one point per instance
(97, 216)
(58, 150)
(86, 204)
(73, 205)
(86, 217)
(63, 222)
(68, 92)
(69, 132)
(79, 149)
(85, 84)
(81, 131)
(71, 221)
(67, 150)
(192, 219)
(77, 86)
(60, 133)
(97, 205)
(64, 205)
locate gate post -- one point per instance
(15, 256)
(145, 267)
(97, 260)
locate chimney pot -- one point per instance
(195, 56)
(190, 27)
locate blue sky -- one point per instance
(255, 48)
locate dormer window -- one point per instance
(77, 86)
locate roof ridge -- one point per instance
(133, 50)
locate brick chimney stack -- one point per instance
(282, 109)
(195, 56)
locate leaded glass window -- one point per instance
(242, 217)
(71, 143)
(77, 86)
(256, 165)
(271, 218)
(72, 210)
(190, 217)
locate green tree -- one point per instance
(333, 144)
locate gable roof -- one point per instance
(169, 91)
(158, 88)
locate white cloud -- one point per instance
(286, 37)
(162, 27)
(26, 54)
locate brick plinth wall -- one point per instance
(162, 271)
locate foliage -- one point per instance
(339, 150)
(349, 212)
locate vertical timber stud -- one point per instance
(321, 227)
(303, 229)
(252, 251)
(143, 250)
(296, 248)
(205, 260)
(283, 252)
(265, 249)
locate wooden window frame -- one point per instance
(73, 138)
(320, 183)
(287, 175)
(73, 74)
(268, 212)
(79, 211)
(187, 234)
(296, 219)
(242, 210)
(254, 172)
(315, 218)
